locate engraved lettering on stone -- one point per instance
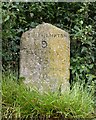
(45, 58)
(44, 44)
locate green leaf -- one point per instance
(7, 18)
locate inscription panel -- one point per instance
(45, 58)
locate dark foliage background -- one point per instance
(79, 19)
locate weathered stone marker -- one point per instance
(45, 58)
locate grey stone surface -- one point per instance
(45, 58)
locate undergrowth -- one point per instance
(18, 101)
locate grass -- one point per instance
(18, 101)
